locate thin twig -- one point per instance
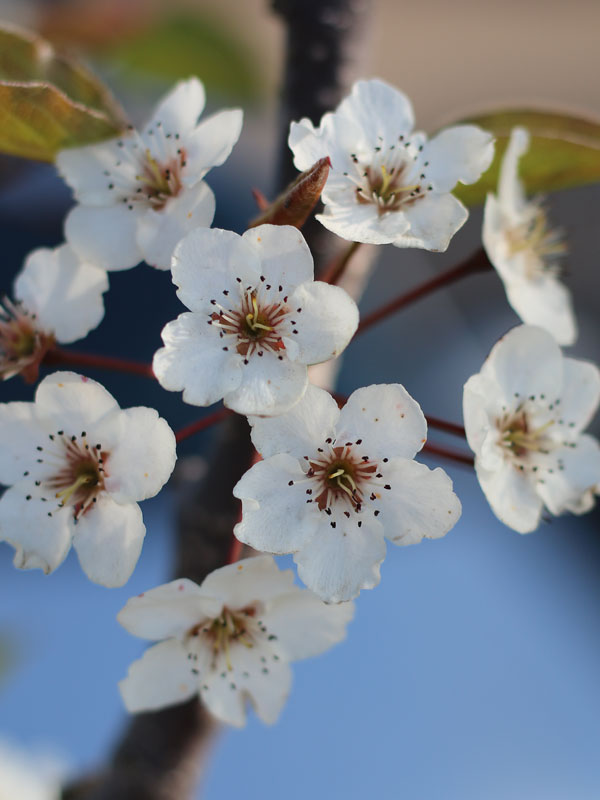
(444, 425)
(201, 424)
(337, 266)
(446, 452)
(478, 262)
(73, 358)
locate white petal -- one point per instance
(572, 486)
(304, 625)
(207, 263)
(20, 433)
(460, 153)
(141, 448)
(327, 320)
(433, 222)
(379, 109)
(545, 302)
(386, 418)
(338, 562)
(307, 143)
(580, 394)
(526, 362)
(64, 292)
(161, 678)
(179, 110)
(420, 504)
(73, 401)
(259, 674)
(275, 515)
(108, 539)
(510, 191)
(268, 385)
(482, 406)
(283, 253)
(88, 170)
(193, 360)
(105, 237)
(39, 531)
(299, 431)
(512, 496)
(362, 223)
(247, 581)
(211, 143)
(168, 611)
(159, 231)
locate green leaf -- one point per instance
(47, 102)
(191, 44)
(564, 152)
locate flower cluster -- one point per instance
(334, 480)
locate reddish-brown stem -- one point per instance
(478, 262)
(335, 269)
(73, 358)
(202, 424)
(446, 452)
(444, 425)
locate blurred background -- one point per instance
(472, 671)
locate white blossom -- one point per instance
(334, 483)
(28, 775)
(140, 194)
(525, 250)
(58, 299)
(525, 414)
(388, 183)
(257, 319)
(77, 465)
(229, 640)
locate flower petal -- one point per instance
(87, 170)
(304, 625)
(338, 562)
(362, 223)
(380, 110)
(526, 362)
(207, 264)
(108, 539)
(512, 496)
(307, 143)
(459, 153)
(283, 253)
(105, 237)
(158, 232)
(580, 393)
(179, 110)
(141, 448)
(39, 531)
(64, 292)
(21, 433)
(161, 678)
(301, 430)
(168, 611)
(211, 143)
(386, 418)
(572, 487)
(421, 502)
(546, 302)
(246, 581)
(193, 360)
(433, 222)
(327, 320)
(73, 401)
(510, 190)
(268, 385)
(275, 515)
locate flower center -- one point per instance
(22, 346)
(535, 237)
(342, 476)
(257, 324)
(80, 477)
(520, 438)
(228, 629)
(159, 182)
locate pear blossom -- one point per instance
(139, 194)
(334, 483)
(58, 299)
(77, 465)
(525, 414)
(525, 251)
(257, 319)
(388, 184)
(229, 640)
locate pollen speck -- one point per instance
(145, 474)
